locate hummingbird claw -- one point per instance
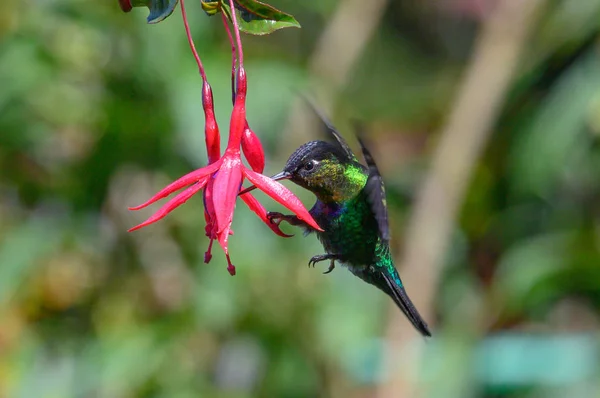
(275, 217)
(331, 267)
(322, 257)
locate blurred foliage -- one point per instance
(98, 110)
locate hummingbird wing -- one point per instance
(376, 193)
(331, 130)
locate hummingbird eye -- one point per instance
(310, 165)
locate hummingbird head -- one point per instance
(326, 170)
(329, 170)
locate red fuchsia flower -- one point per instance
(222, 178)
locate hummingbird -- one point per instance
(351, 209)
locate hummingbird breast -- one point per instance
(350, 230)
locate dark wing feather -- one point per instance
(376, 193)
(331, 130)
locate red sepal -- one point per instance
(172, 204)
(176, 185)
(261, 212)
(282, 195)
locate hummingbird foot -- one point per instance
(323, 257)
(276, 218)
(331, 267)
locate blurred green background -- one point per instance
(99, 110)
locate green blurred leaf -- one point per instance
(159, 9)
(525, 264)
(254, 17)
(20, 252)
(557, 134)
(578, 282)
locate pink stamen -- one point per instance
(230, 267)
(207, 253)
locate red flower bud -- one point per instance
(211, 129)
(253, 150)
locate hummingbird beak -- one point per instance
(284, 175)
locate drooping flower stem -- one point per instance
(213, 142)
(251, 145)
(237, 34)
(238, 115)
(191, 41)
(233, 55)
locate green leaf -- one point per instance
(550, 145)
(254, 17)
(159, 9)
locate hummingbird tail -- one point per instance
(398, 294)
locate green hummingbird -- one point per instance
(352, 211)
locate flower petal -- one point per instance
(223, 238)
(282, 195)
(253, 150)
(178, 200)
(225, 189)
(194, 176)
(260, 211)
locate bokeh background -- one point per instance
(99, 110)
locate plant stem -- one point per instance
(233, 57)
(191, 41)
(237, 34)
